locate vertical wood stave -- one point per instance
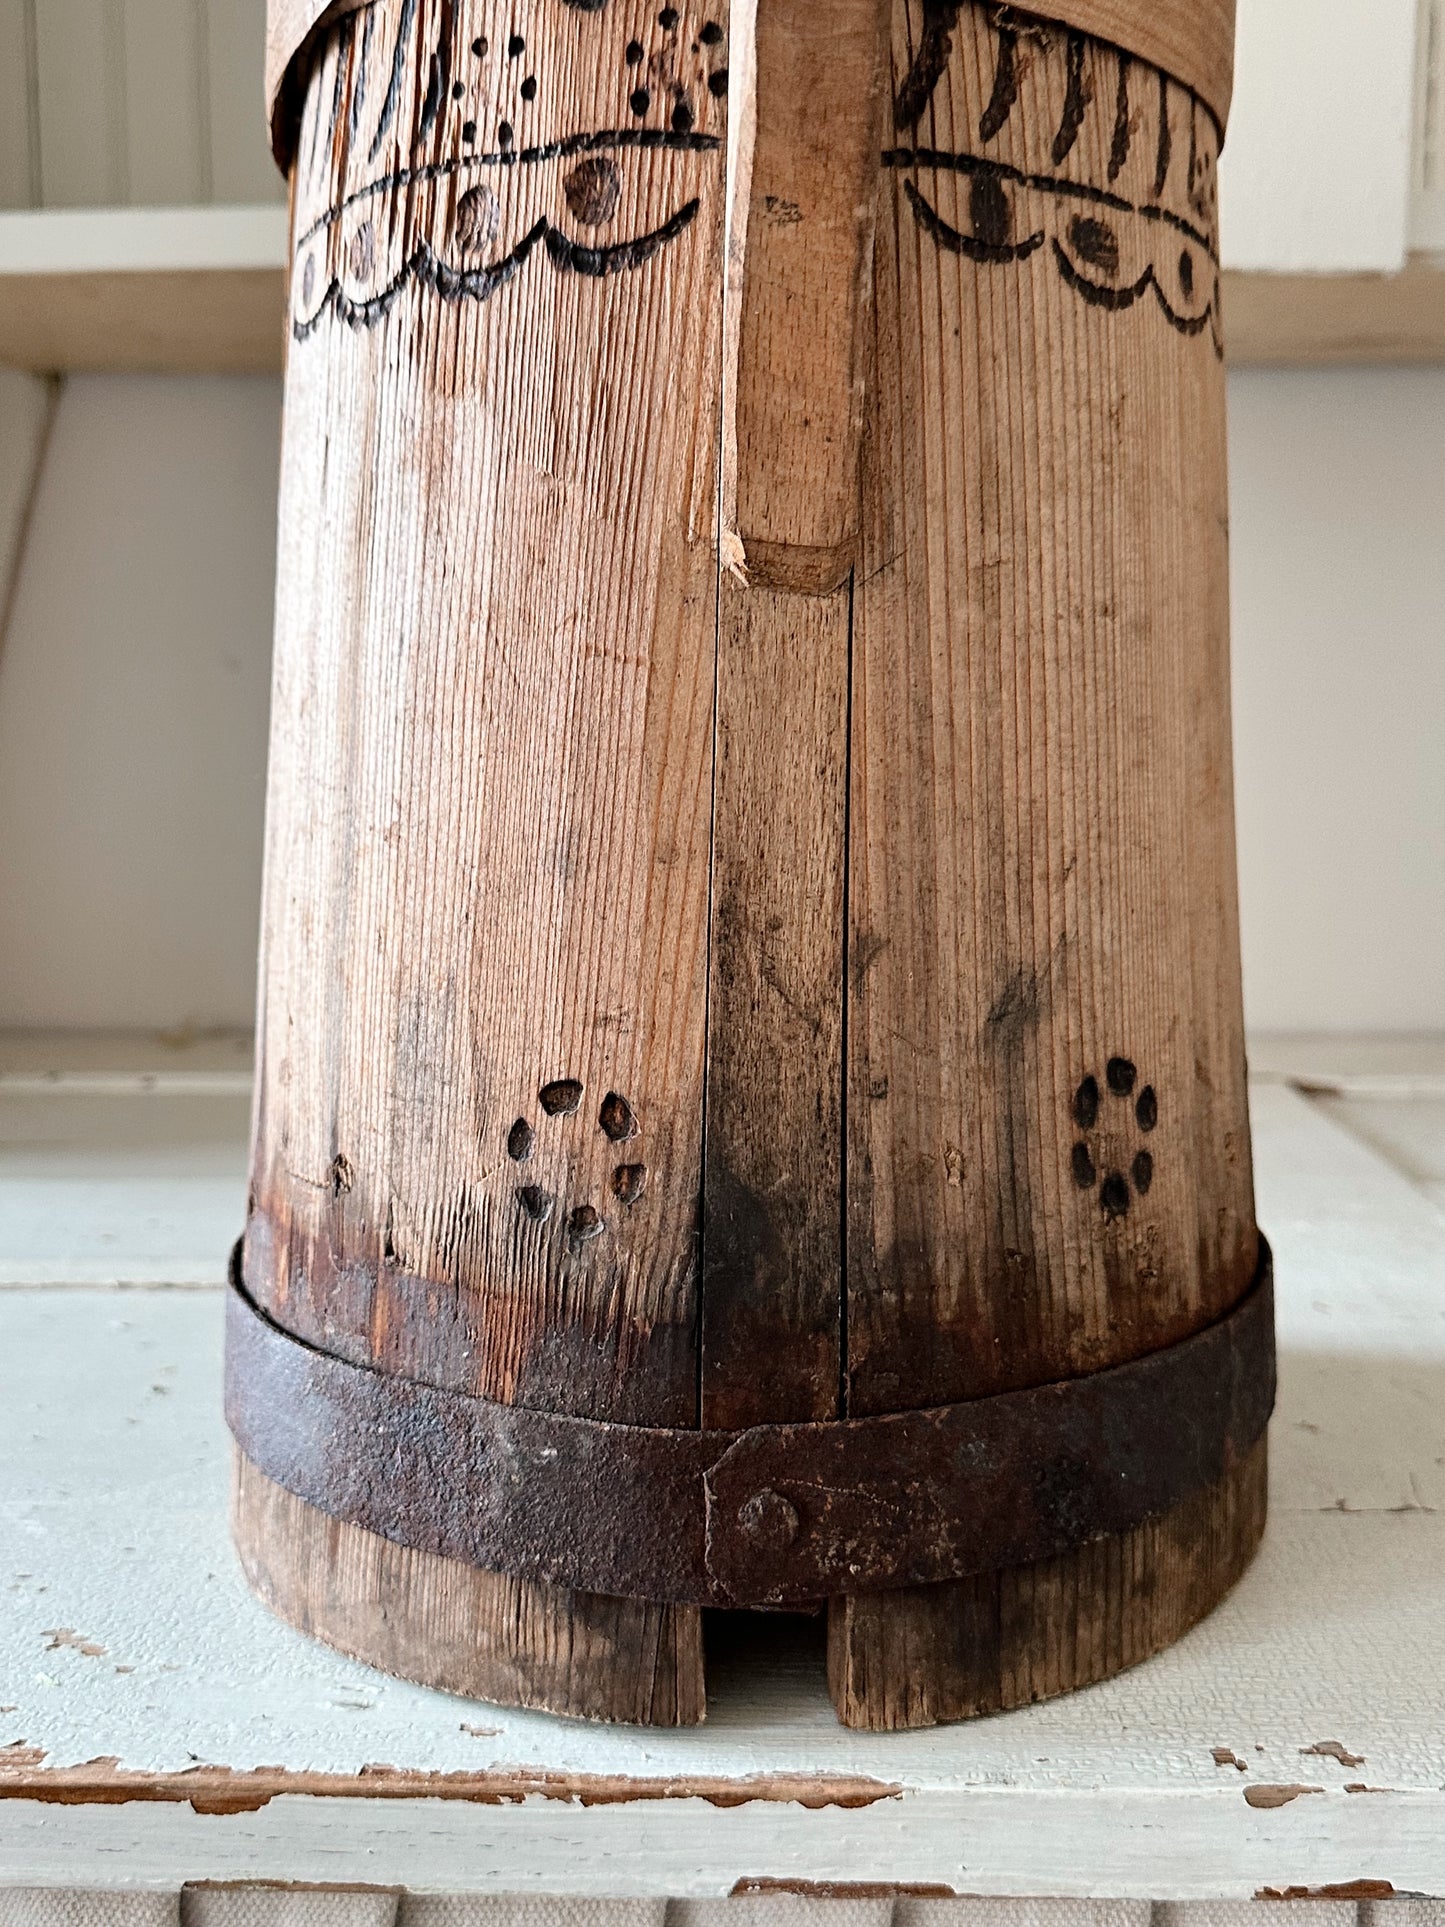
(1048, 1155)
(479, 1137)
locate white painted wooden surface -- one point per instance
(134, 240)
(112, 1535)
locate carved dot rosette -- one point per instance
(1115, 1117)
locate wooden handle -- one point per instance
(802, 199)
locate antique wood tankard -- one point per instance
(751, 1105)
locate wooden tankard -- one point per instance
(751, 1102)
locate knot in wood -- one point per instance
(768, 1521)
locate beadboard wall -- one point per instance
(108, 103)
(133, 694)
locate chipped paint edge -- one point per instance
(504, 1838)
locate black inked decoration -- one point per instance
(584, 1224)
(1096, 241)
(357, 275)
(717, 84)
(1114, 1196)
(1186, 273)
(592, 189)
(439, 73)
(1005, 87)
(1087, 236)
(965, 244)
(634, 53)
(989, 210)
(629, 1181)
(338, 90)
(561, 1098)
(535, 1203)
(668, 19)
(935, 45)
(358, 91)
(1076, 101)
(1123, 122)
(521, 1142)
(1166, 139)
(711, 33)
(616, 1118)
(1089, 1112)
(363, 251)
(1118, 299)
(480, 284)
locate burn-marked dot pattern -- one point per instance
(561, 1098)
(1101, 1159)
(582, 1224)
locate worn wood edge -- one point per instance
(1011, 1638)
(433, 1620)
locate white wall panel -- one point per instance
(1315, 175)
(167, 95)
(80, 96)
(133, 698)
(241, 164)
(1337, 522)
(19, 135)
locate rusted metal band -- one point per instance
(778, 1515)
(1192, 40)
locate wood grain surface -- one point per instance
(694, 994)
(480, 1112)
(1048, 1141)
